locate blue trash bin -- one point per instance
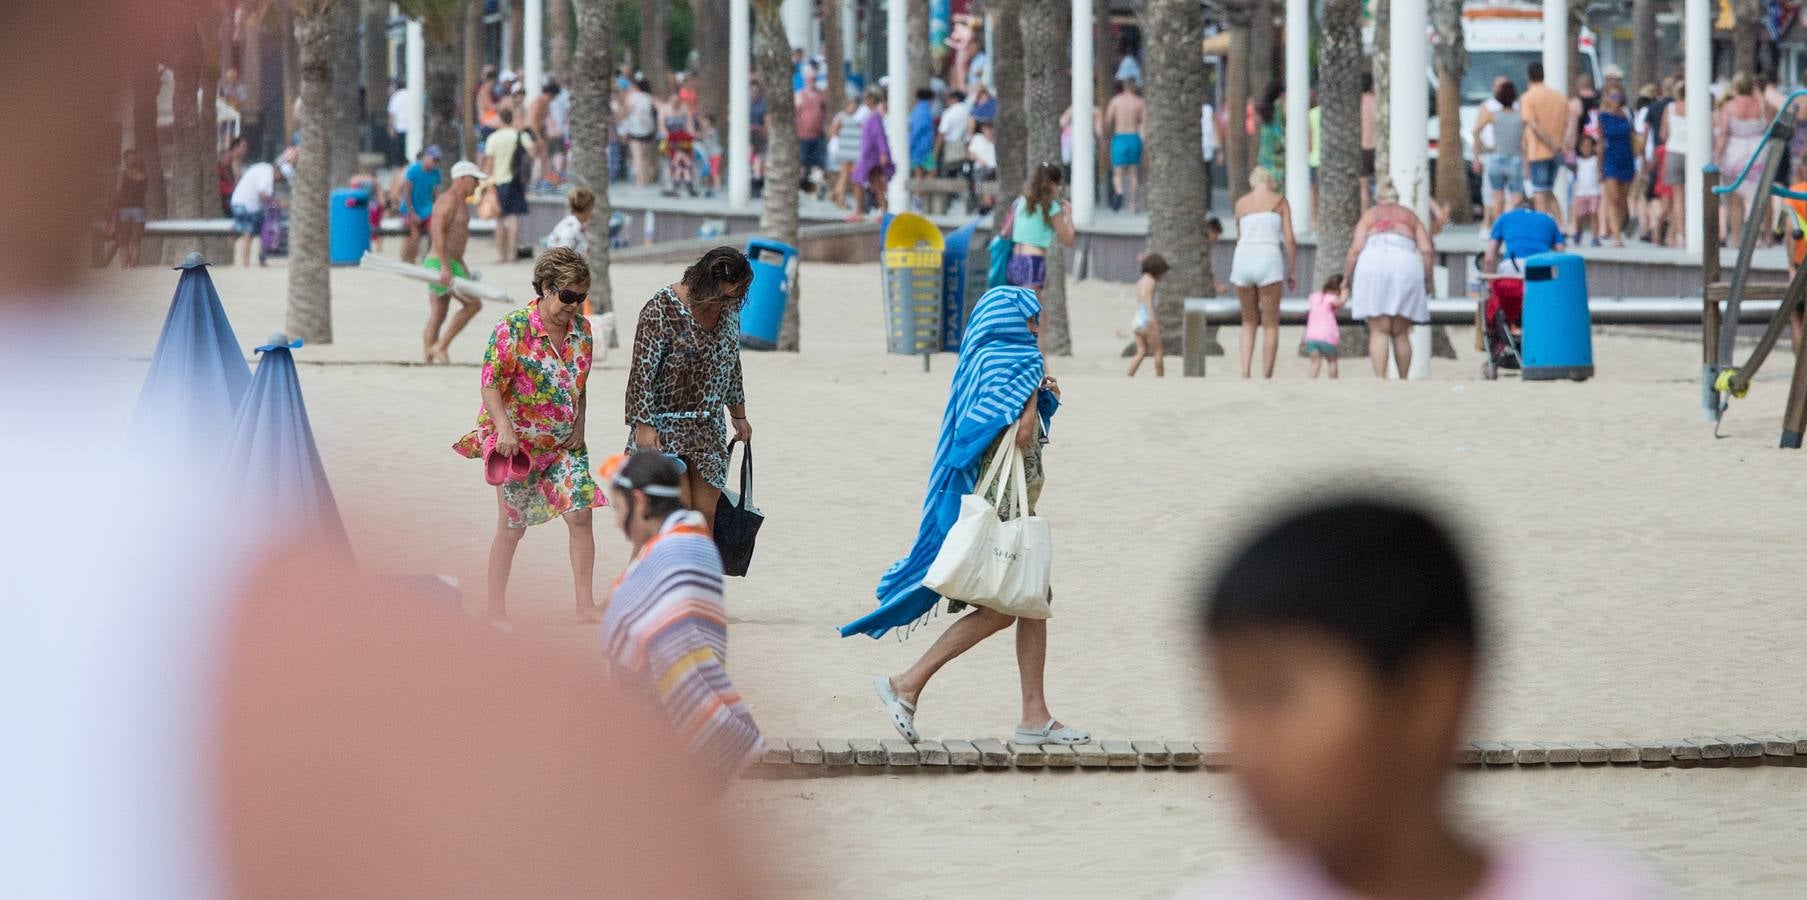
(763, 313)
(348, 224)
(1558, 340)
(956, 270)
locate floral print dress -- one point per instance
(682, 378)
(544, 393)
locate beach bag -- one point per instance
(737, 520)
(521, 160)
(1001, 565)
(489, 205)
(1001, 246)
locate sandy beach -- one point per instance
(1644, 579)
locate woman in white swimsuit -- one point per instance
(1262, 264)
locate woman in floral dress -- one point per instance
(533, 385)
(686, 369)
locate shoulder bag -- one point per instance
(1002, 565)
(737, 520)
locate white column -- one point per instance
(1085, 141)
(991, 53)
(417, 90)
(897, 120)
(1555, 45)
(1410, 137)
(1697, 70)
(851, 47)
(799, 25)
(507, 50)
(533, 67)
(1298, 109)
(740, 138)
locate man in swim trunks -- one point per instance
(451, 231)
(1124, 116)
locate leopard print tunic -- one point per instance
(682, 378)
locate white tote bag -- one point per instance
(986, 562)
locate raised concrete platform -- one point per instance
(829, 757)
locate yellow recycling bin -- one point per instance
(913, 285)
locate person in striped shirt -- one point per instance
(666, 628)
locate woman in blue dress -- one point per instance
(1618, 166)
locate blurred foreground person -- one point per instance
(666, 629)
(1342, 628)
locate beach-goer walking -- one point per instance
(951, 134)
(254, 189)
(875, 167)
(1674, 134)
(665, 630)
(848, 125)
(641, 126)
(1145, 327)
(1037, 220)
(1262, 266)
(413, 193)
(1737, 137)
(1270, 115)
(922, 134)
(1336, 626)
(1388, 278)
(1618, 165)
(686, 371)
(1546, 117)
(1000, 379)
(128, 208)
(508, 176)
(1584, 201)
(1124, 116)
(812, 127)
(450, 232)
(573, 231)
(1322, 336)
(535, 374)
(1503, 165)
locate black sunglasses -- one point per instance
(567, 296)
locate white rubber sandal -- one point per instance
(903, 712)
(1050, 735)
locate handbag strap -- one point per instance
(999, 459)
(1018, 477)
(746, 469)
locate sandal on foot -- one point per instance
(903, 712)
(1050, 735)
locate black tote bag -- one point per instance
(737, 520)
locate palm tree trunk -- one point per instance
(375, 44)
(834, 54)
(919, 53)
(209, 28)
(711, 41)
(1261, 45)
(144, 139)
(472, 65)
(445, 57)
(1237, 155)
(310, 286)
(1747, 30)
(783, 158)
(1452, 63)
(558, 34)
(291, 74)
(1339, 171)
(1644, 37)
(1383, 96)
(1577, 18)
(251, 65)
(1104, 74)
(346, 121)
(653, 38)
(1011, 128)
(185, 183)
(517, 40)
(1172, 31)
(590, 124)
(1045, 27)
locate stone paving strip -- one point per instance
(810, 757)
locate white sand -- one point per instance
(1645, 579)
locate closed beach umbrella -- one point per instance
(198, 373)
(270, 466)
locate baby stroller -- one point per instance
(1503, 323)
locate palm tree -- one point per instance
(1237, 156)
(375, 46)
(783, 157)
(1045, 25)
(1339, 172)
(147, 83)
(711, 24)
(1383, 86)
(440, 22)
(654, 33)
(1747, 30)
(189, 176)
(310, 287)
(591, 80)
(1452, 64)
(1261, 45)
(1173, 30)
(473, 65)
(834, 55)
(1011, 129)
(918, 51)
(1644, 37)
(343, 143)
(558, 34)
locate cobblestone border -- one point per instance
(826, 757)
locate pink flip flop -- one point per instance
(496, 468)
(520, 465)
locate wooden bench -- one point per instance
(938, 193)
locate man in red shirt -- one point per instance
(812, 116)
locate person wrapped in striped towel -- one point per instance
(666, 628)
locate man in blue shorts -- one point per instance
(1123, 119)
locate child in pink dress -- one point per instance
(1346, 627)
(1321, 332)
